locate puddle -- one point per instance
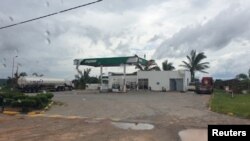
(133, 126)
(193, 135)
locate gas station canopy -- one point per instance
(111, 61)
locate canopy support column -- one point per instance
(124, 78)
(137, 82)
(101, 83)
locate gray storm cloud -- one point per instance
(229, 25)
(110, 28)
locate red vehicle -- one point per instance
(206, 86)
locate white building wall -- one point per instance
(187, 80)
(163, 78)
(92, 86)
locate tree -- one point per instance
(86, 73)
(249, 73)
(82, 78)
(242, 76)
(37, 75)
(22, 74)
(167, 66)
(194, 63)
(150, 66)
(12, 82)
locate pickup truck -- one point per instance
(206, 86)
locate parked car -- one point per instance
(191, 86)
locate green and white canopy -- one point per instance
(111, 61)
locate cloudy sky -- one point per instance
(161, 29)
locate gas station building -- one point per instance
(139, 80)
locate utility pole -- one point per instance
(13, 71)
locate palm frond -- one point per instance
(199, 58)
(167, 66)
(186, 65)
(202, 71)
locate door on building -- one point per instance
(143, 84)
(176, 84)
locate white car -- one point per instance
(191, 86)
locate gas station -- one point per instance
(112, 62)
(153, 80)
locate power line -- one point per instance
(52, 14)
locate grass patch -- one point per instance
(223, 102)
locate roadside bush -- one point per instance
(16, 104)
(41, 101)
(13, 96)
(27, 102)
(19, 96)
(48, 95)
(43, 98)
(8, 101)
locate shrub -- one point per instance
(16, 104)
(13, 95)
(28, 102)
(48, 95)
(8, 101)
(43, 98)
(20, 96)
(39, 102)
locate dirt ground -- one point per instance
(21, 128)
(88, 116)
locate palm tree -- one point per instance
(194, 63)
(167, 66)
(82, 78)
(86, 73)
(150, 66)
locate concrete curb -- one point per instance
(10, 113)
(42, 114)
(49, 106)
(13, 113)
